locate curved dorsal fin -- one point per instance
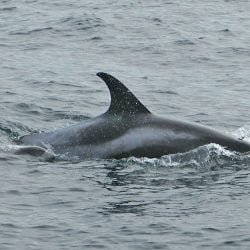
(122, 99)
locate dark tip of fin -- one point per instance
(122, 99)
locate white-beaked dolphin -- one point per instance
(127, 129)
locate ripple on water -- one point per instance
(30, 32)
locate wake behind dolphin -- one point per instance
(127, 129)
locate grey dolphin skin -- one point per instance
(127, 129)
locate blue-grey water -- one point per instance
(183, 59)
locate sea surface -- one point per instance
(188, 60)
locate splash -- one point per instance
(243, 133)
(204, 158)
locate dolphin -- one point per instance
(127, 129)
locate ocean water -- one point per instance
(183, 59)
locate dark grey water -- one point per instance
(184, 59)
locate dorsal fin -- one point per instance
(122, 99)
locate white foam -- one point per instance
(243, 133)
